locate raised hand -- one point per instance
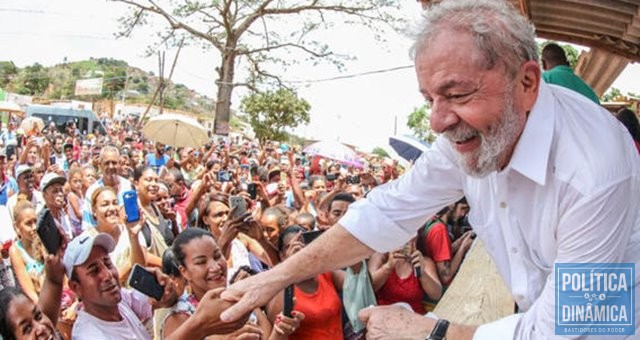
(286, 326)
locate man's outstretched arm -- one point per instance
(336, 248)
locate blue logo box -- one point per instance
(595, 299)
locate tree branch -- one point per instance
(271, 48)
(174, 23)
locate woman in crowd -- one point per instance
(21, 317)
(407, 276)
(31, 153)
(237, 237)
(317, 313)
(27, 253)
(156, 231)
(164, 202)
(108, 216)
(204, 267)
(75, 200)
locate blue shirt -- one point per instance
(156, 163)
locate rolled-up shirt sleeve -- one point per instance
(391, 213)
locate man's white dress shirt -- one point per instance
(571, 193)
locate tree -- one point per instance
(271, 112)
(612, 95)
(380, 152)
(418, 122)
(35, 80)
(260, 35)
(8, 71)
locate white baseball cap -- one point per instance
(79, 249)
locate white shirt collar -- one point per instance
(531, 155)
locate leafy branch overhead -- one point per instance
(271, 112)
(261, 38)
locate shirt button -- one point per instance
(514, 250)
(503, 205)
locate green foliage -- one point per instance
(8, 71)
(60, 81)
(34, 80)
(380, 152)
(418, 122)
(610, 95)
(615, 95)
(571, 52)
(271, 112)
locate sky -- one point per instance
(361, 110)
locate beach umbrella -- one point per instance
(335, 151)
(408, 147)
(32, 124)
(175, 130)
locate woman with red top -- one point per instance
(409, 276)
(317, 308)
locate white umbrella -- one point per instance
(334, 150)
(175, 130)
(6, 106)
(32, 124)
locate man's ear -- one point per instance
(75, 287)
(527, 85)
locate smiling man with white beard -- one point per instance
(552, 180)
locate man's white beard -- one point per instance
(493, 144)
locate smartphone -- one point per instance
(331, 177)
(240, 203)
(223, 176)
(353, 179)
(288, 301)
(52, 160)
(252, 190)
(48, 232)
(130, 199)
(309, 236)
(145, 282)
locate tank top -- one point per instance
(34, 268)
(406, 290)
(322, 310)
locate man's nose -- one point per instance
(442, 116)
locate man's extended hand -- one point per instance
(250, 293)
(395, 322)
(210, 307)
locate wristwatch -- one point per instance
(439, 330)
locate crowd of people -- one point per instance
(227, 229)
(210, 215)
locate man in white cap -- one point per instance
(109, 311)
(112, 312)
(26, 191)
(52, 188)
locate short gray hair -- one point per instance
(501, 34)
(109, 148)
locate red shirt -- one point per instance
(398, 289)
(322, 311)
(437, 243)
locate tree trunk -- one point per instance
(225, 88)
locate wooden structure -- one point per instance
(611, 28)
(478, 294)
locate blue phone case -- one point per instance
(131, 206)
